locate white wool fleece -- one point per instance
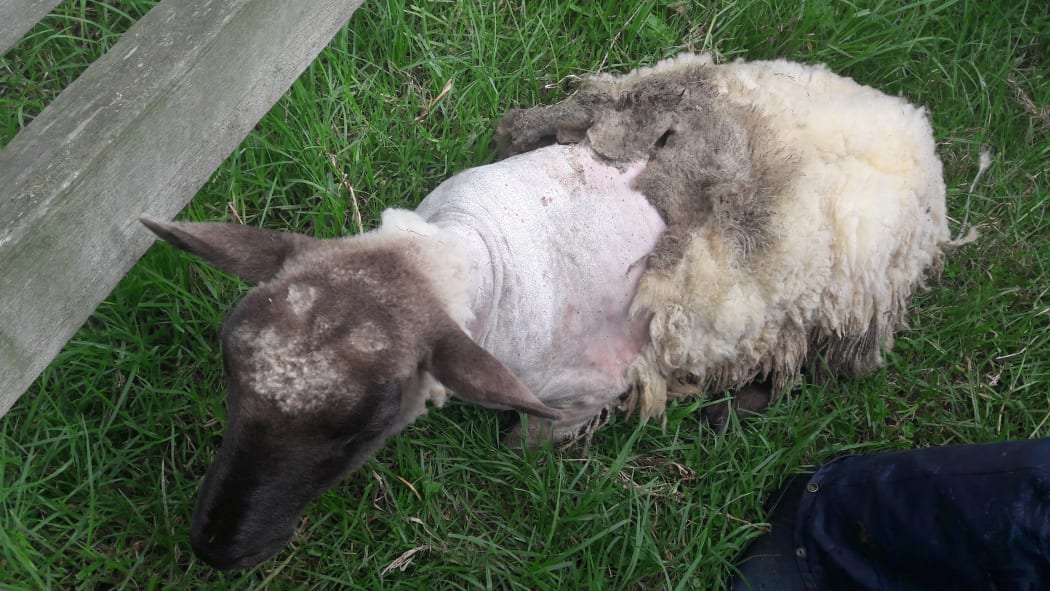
(864, 220)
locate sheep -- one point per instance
(683, 229)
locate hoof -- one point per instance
(746, 402)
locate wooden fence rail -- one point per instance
(139, 132)
(18, 16)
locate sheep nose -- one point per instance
(224, 555)
(218, 556)
(226, 534)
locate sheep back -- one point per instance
(802, 211)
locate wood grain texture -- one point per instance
(139, 132)
(18, 16)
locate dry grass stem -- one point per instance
(1041, 114)
(233, 213)
(402, 562)
(435, 100)
(353, 195)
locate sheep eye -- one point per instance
(662, 140)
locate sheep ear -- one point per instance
(253, 254)
(477, 377)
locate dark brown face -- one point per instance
(338, 348)
(267, 471)
(318, 369)
(260, 483)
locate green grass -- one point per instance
(100, 461)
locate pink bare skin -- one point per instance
(558, 240)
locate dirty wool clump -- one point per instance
(706, 158)
(802, 211)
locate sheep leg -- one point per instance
(746, 402)
(523, 130)
(535, 434)
(538, 432)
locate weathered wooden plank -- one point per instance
(18, 16)
(139, 132)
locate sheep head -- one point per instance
(338, 347)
